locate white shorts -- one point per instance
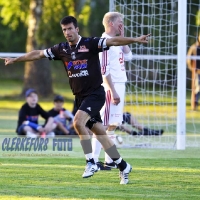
(113, 114)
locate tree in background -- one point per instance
(98, 9)
(42, 20)
(29, 12)
(37, 73)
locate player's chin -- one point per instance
(69, 39)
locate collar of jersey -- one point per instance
(78, 41)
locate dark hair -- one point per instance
(58, 98)
(69, 19)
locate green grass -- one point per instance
(157, 174)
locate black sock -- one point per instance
(134, 133)
(114, 154)
(90, 160)
(122, 165)
(147, 131)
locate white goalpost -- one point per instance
(156, 92)
(181, 83)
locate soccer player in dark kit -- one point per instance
(81, 61)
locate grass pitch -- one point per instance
(157, 174)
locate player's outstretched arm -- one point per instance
(33, 55)
(120, 41)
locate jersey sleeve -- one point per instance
(104, 62)
(43, 113)
(52, 53)
(128, 56)
(98, 44)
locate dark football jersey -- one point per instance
(81, 63)
(26, 113)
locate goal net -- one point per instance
(151, 91)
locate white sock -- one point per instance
(118, 161)
(108, 158)
(88, 156)
(30, 134)
(51, 134)
(110, 132)
(96, 149)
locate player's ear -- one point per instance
(111, 23)
(77, 29)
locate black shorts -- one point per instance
(92, 103)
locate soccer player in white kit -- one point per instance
(114, 79)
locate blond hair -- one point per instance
(111, 17)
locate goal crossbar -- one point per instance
(134, 57)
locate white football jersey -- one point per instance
(112, 62)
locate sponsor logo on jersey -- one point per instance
(83, 49)
(65, 50)
(73, 55)
(76, 64)
(80, 74)
(32, 118)
(89, 108)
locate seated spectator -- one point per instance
(62, 117)
(29, 115)
(130, 119)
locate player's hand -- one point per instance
(116, 101)
(8, 61)
(143, 39)
(115, 98)
(47, 129)
(41, 130)
(121, 30)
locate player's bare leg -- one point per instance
(80, 120)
